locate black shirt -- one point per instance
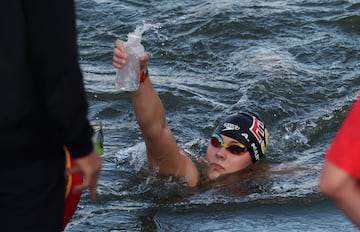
(42, 99)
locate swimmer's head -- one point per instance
(248, 129)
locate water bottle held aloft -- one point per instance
(127, 77)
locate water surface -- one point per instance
(296, 63)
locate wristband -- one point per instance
(143, 75)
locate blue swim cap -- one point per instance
(248, 129)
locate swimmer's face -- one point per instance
(222, 161)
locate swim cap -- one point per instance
(248, 129)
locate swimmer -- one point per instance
(238, 142)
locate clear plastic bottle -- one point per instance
(127, 77)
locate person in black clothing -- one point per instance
(43, 109)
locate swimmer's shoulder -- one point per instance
(198, 162)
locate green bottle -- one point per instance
(98, 138)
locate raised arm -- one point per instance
(163, 152)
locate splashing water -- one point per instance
(140, 29)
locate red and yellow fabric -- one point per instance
(71, 198)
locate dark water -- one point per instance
(296, 63)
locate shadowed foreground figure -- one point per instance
(43, 109)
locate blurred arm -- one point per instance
(343, 189)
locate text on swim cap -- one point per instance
(246, 136)
(229, 126)
(256, 152)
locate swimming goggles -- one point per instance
(235, 148)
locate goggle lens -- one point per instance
(236, 148)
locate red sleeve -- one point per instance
(344, 151)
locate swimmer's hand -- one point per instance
(120, 57)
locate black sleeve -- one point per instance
(54, 66)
